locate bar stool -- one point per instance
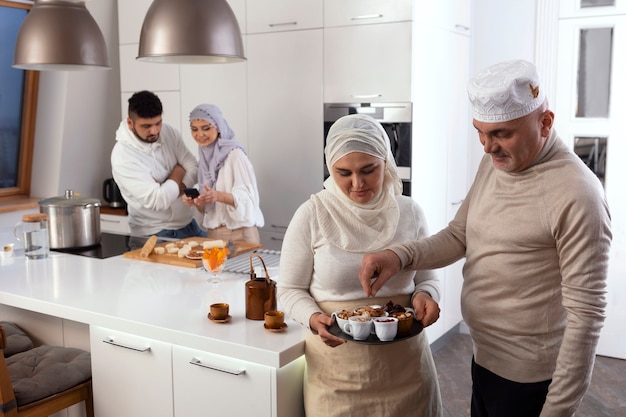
(44, 380)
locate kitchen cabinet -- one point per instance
(149, 377)
(368, 63)
(360, 12)
(132, 375)
(205, 381)
(280, 15)
(451, 15)
(114, 223)
(285, 121)
(441, 140)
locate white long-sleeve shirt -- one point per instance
(236, 177)
(141, 170)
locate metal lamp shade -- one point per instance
(60, 35)
(190, 32)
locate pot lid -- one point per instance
(70, 199)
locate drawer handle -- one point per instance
(461, 27)
(366, 95)
(456, 203)
(273, 25)
(110, 341)
(110, 221)
(276, 238)
(278, 226)
(198, 362)
(367, 16)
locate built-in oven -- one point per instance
(396, 120)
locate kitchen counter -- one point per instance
(161, 302)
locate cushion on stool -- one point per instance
(17, 340)
(47, 370)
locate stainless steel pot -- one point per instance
(74, 220)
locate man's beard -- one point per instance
(147, 139)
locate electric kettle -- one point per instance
(112, 195)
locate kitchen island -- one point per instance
(154, 351)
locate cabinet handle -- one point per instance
(273, 25)
(461, 27)
(367, 16)
(456, 203)
(366, 95)
(276, 238)
(198, 362)
(110, 341)
(278, 226)
(110, 221)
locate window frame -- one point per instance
(27, 129)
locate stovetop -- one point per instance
(110, 245)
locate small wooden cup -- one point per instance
(274, 319)
(219, 311)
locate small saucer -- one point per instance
(280, 329)
(226, 320)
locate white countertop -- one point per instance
(163, 302)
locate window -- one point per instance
(18, 100)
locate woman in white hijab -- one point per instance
(229, 199)
(360, 210)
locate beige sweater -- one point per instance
(536, 245)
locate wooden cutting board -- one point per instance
(173, 258)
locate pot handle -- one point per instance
(268, 281)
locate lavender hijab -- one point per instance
(212, 157)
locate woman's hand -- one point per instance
(319, 323)
(209, 196)
(426, 309)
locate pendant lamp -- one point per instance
(190, 32)
(60, 35)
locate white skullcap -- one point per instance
(505, 91)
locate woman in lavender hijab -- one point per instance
(229, 197)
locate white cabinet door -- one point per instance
(368, 63)
(452, 15)
(114, 224)
(285, 123)
(130, 15)
(205, 383)
(132, 376)
(360, 12)
(440, 165)
(281, 15)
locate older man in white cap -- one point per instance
(535, 233)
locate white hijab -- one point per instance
(346, 224)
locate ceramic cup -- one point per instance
(405, 322)
(340, 322)
(219, 311)
(386, 328)
(357, 328)
(274, 319)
